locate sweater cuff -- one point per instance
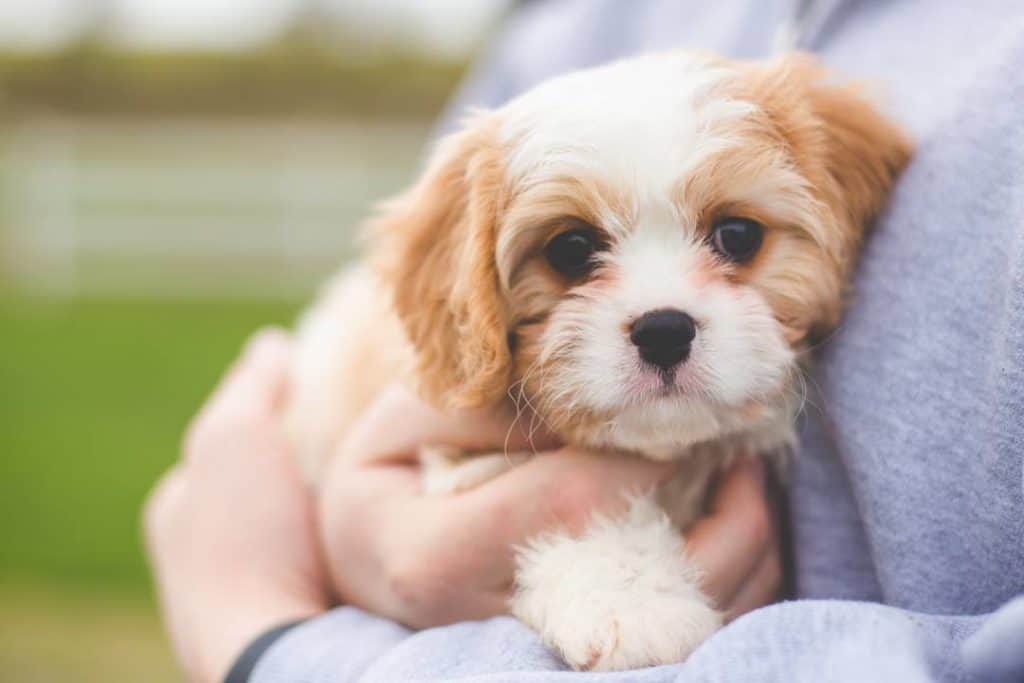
(241, 670)
(333, 647)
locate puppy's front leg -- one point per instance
(620, 596)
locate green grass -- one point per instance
(94, 396)
(52, 633)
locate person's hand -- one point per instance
(431, 560)
(736, 543)
(230, 529)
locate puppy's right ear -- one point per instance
(434, 246)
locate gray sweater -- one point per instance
(907, 499)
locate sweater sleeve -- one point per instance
(338, 646)
(808, 640)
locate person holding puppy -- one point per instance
(906, 497)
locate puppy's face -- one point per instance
(637, 252)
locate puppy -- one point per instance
(638, 254)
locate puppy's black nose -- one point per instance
(663, 337)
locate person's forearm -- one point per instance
(229, 637)
(230, 530)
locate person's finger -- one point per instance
(398, 423)
(259, 378)
(162, 506)
(562, 488)
(557, 490)
(728, 543)
(457, 561)
(251, 394)
(760, 588)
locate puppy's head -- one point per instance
(639, 250)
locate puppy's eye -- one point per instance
(737, 239)
(572, 252)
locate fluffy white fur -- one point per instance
(619, 596)
(641, 122)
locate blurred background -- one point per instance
(173, 175)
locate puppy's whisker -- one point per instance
(515, 418)
(537, 413)
(520, 398)
(798, 391)
(819, 343)
(517, 402)
(810, 383)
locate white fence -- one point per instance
(191, 209)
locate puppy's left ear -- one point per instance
(851, 156)
(435, 248)
(866, 152)
(844, 133)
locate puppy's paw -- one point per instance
(622, 596)
(628, 637)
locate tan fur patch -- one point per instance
(435, 247)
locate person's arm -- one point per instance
(230, 530)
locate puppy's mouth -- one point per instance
(656, 383)
(667, 376)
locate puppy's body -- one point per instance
(350, 345)
(637, 254)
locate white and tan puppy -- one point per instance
(636, 254)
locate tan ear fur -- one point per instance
(850, 153)
(863, 152)
(435, 247)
